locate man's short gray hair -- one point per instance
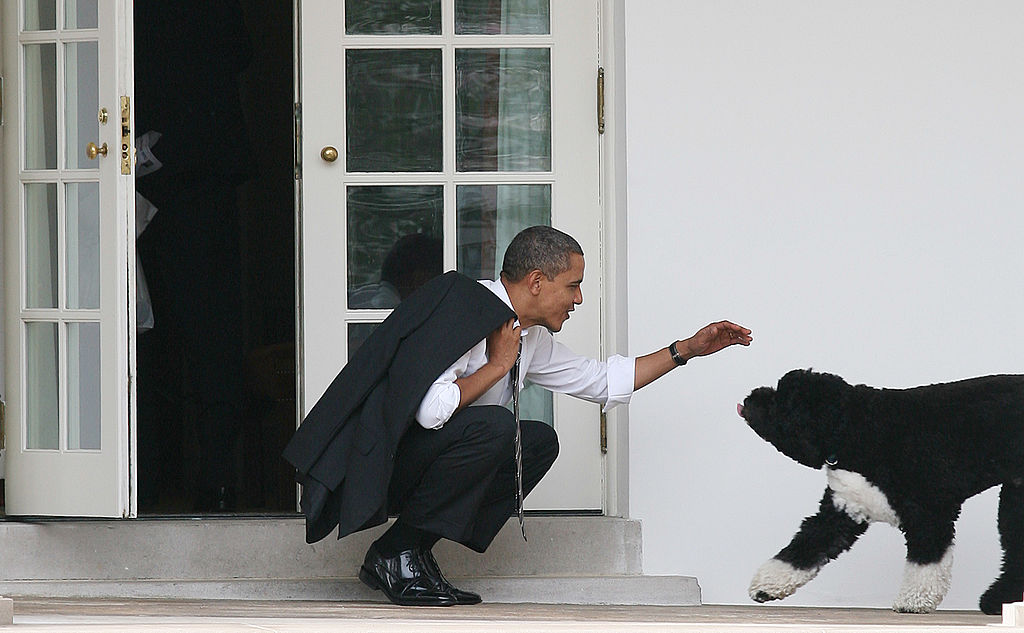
(542, 248)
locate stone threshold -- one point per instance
(568, 560)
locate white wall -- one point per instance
(847, 179)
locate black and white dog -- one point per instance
(908, 457)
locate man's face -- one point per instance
(560, 296)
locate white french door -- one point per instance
(66, 212)
(432, 132)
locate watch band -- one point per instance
(676, 356)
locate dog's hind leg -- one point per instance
(929, 565)
(1009, 587)
(821, 538)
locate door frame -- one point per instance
(614, 245)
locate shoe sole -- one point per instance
(368, 579)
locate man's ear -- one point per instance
(534, 278)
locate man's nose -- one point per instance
(578, 299)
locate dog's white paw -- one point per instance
(777, 579)
(924, 586)
(913, 607)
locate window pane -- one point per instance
(41, 401)
(40, 15)
(82, 102)
(536, 403)
(83, 386)
(506, 17)
(83, 245)
(393, 107)
(489, 216)
(80, 14)
(394, 242)
(395, 17)
(40, 113)
(40, 245)
(503, 109)
(357, 334)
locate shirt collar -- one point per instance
(499, 291)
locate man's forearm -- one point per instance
(476, 384)
(656, 364)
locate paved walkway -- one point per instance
(142, 616)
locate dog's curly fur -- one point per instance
(909, 457)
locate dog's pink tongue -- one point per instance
(739, 409)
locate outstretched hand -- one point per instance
(716, 337)
(708, 340)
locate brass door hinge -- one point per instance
(600, 100)
(604, 433)
(126, 136)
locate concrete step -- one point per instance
(593, 590)
(568, 559)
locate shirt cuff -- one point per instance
(621, 376)
(438, 405)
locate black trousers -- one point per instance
(458, 482)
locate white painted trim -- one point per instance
(127, 411)
(614, 311)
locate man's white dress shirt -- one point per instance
(544, 362)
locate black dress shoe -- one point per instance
(404, 579)
(432, 568)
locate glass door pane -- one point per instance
(40, 106)
(40, 244)
(489, 216)
(393, 108)
(80, 14)
(83, 391)
(394, 242)
(81, 101)
(512, 17)
(42, 394)
(40, 15)
(409, 17)
(503, 109)
(82, 257)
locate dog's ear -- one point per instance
(811, 404)
(811, 392)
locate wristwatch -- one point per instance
(676, 356)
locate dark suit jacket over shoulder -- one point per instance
(344, 449)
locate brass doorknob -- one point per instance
(329, 154)
(92, 151)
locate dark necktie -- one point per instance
(514, 375)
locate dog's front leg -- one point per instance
(929, 565)
(821, 538)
